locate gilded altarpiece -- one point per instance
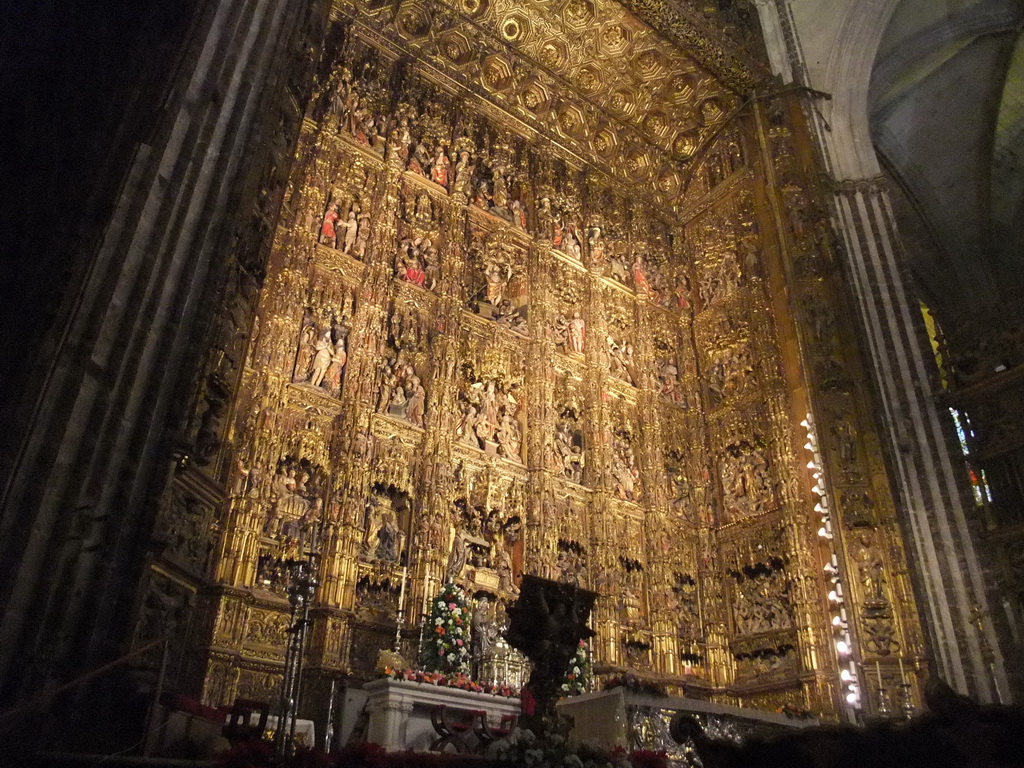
(547, 296)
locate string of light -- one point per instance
(836, 596)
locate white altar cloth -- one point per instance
(400, 711)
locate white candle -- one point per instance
(878, 672)
(903, 679)
(401, 591)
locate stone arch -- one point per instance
(848, 79)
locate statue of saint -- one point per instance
(420, 160)
(388, 536)
(577, 331)
(362, 236)
(439, 172)
(457, 558)
(328, 228)
(307, 349)
(332, 379)
(321, 359)
(596, 246)
(351, 230)
(640, 282)
(374, 521)
(518, 214)
(416, 408)
(463, 181)
(484, 630)
(497, 282)
(509, 439)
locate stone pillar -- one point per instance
(935, 511)
(110, 414)
(771, 14)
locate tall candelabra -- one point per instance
(301, 589)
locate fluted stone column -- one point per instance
(122, 366)
(931, 480)
(936, 512)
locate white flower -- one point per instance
(438, 621)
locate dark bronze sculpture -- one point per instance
(546, 624)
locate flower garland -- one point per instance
(578, 675)
(460, 681)
(446, 645)
(524, 750)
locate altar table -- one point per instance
(400, 710)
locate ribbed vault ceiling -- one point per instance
(947, 117)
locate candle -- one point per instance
(903, 679)
(878, 672)
(401, 591)
(426, 590)
(400, 616)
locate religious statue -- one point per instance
(484, 630)
(362, 236)
(290, 502)
(373, 520)
(683, 294)
(389, 537)
(596, 242)
(518, 214)
(414, 263)
(503, 565)
(497, 283)
(351, 231)
(569, 455)
(576, 335)
(328, 228)
(332, 378)
(488, 419)
(509, 440)
(640, 282)
(621, 361)
(402, 138)
(439, 169)
(668, 376)
(482, 194)
(457, 557)
(416, 407)
(307, 348)
(324, 349)
(463, 181)
(625, 473)
(420, 160)
(499, 195)
(571, 243)
(558, 231)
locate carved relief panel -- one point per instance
(407, 367)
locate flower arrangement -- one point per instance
(578, 674)
(460, 681)
(446, 641)
(524, 750)
(635, 684)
